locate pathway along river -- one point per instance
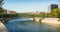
(27, 25)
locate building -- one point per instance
(6, 12)
(33, 12)
(12, 12)
(53, 6)
(9, 12)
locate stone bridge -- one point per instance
(37, 19)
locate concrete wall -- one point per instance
(2, 27)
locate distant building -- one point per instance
(12, 12)
(36, 12)
(33, 12)
(53, 6)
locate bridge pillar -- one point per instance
(37, 19)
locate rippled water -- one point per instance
(26, 25)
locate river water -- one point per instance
(27, 25)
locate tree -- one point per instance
(59, 14)
(1, 9)
(1, 3)
(55, 12)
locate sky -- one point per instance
(29, 5)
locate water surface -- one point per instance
(27, 25)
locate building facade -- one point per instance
(12, 12)
(9, 12)
(53, 6)
(6, 12)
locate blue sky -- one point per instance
(29, 5)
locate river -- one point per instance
(27, 25)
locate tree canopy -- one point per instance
(55, 12)
(1, 3)
(1, 9)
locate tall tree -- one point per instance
(1, 3)
(54, 12)
(59, 14)
(1, 9)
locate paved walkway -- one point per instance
(3, 28)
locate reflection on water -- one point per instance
(17, 25)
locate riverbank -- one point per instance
(2, 27)
(51, 21)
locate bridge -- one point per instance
(37, 19)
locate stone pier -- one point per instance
(37, 19)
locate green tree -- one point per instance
(1, 9)
(55, 12)
(1, 3)
(59, 14)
